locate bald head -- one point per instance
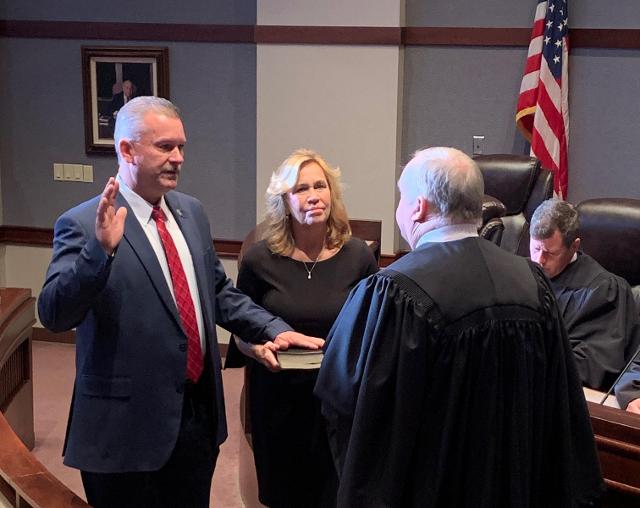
(448, 179)
(438, 187)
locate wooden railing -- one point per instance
(17, 316)
(24, 481)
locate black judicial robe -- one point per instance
(448, 381)
(601, 317)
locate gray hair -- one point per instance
(555, 214)
(449, 180)
(130, 119)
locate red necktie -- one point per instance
(183, 297)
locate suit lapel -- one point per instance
(141, 247)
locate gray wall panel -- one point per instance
(489, 13)
(604, 136)
(238, 12)
(42, 123)
(215, 87)
(454, 93)
(519, 13)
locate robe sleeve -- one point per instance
(374, 381)
(628, 388)
(603, 331)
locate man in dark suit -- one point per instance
(121, 98)
(135, 272)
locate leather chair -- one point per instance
(610, 233)
(492, 225)
(521, 185)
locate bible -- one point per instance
(297, 358)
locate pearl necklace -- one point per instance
(312, 266)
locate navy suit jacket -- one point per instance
(130, 346)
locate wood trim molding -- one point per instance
(126, 31)
(23, 235)
(227, 248)
(465, 36)
(355, 35)
(279, 34)
(44, 335)
(605, 38)
(43, 237)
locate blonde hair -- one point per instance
(278, 232)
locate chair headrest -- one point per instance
(510, 178)
(610, 233)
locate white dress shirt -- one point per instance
(448, 234)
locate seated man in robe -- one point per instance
(597, 306)
(448, 379)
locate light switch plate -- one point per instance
(58, 171)
(67, 171)
(87, 171)
(78, 174)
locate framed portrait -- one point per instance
(111, 76)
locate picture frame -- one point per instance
(111, 75)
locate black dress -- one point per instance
(290, 446)
(448, 381)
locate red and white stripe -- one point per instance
(543, 107)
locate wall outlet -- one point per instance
(478, 145)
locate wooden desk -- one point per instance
(617, 436)
(17, 317)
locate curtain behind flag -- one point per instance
(543, 107)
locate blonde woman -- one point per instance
(303, 271)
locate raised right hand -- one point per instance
(109, 221)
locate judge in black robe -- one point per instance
(597, 306)
(601, 319)
(448, 379)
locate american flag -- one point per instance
(543, 106)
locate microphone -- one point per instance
(624, 371)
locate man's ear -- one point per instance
(421, 210)
(575, 246)
(126, 150)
